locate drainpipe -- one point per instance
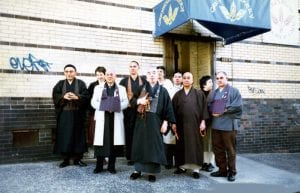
(213, 69)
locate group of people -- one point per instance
(159, 123)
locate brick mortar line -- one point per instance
(8, 71)
(225, 59)
(78, 24)
(75, 49)
(118, 5)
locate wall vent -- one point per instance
(25, 138)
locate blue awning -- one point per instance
(233, 20)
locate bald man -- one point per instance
(190, 110)
(109, 140)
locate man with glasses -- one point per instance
(70, 97)
(109, 100)
(225, 106)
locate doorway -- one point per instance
(196, 57)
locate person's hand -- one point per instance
(216, 115)
(73, 96)
(143, 100)
(164, 127)
(67, 96)
(202, 125)
(174, 129)
(202, 133)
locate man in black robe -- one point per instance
(133, 84)
(191, 111)
(155, 111)
(70, 97)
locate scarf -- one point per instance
(129, 88)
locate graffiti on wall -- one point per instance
(256, 91)
(30, 63)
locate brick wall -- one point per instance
(270, 125)
(22, 114)
(267, 125)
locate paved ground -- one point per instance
(257, 173)
(285, 161)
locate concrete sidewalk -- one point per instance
(257, 173)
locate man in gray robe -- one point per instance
(225, 105)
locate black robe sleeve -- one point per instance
(57, 97)
(203, 101)
(168, 112)
(84, 96)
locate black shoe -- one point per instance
(218, 174)
(112, 171)
(179, 171)
(168, 167)
(65, 163)
(130, 163)
(135, 175)
(231, 178)
(204, 166)
(97, 170)
(151, 178)
(79, 163)
(209, 168)
(196, 175)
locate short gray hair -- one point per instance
(221, 72)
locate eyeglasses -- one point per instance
(220, 78)
(109, 74)
(151, 72)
